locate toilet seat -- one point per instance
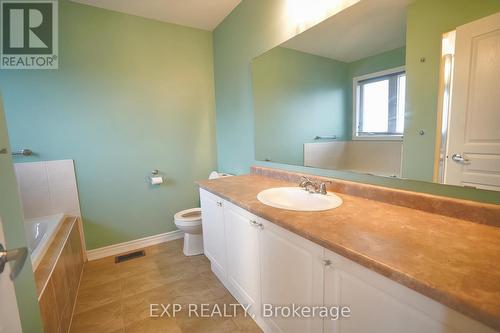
(186, 216)
(189, 221)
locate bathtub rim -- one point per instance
(37, 256)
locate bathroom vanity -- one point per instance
(399, 269)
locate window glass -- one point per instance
(400, 121)
(375, 107)
(380, 105)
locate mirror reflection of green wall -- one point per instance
(315, 85)
(427, 21)
(299, 96)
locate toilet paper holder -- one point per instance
(155, 178)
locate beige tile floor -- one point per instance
(115, 298)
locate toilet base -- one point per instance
(193, 244)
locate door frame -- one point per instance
(445, 97)
(444, 101)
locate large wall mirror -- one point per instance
(336, 96)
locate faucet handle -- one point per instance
(322, 186)
(304, 181)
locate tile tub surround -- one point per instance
(452, 261)
(48, 188)
(462, 209)
(57, 278)
(116, 297)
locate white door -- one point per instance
(291, 273)
(9, 316)
(473, 153)
(214, 242)
(243, 262)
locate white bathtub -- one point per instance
(40, 232)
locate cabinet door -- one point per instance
(291, 273)
(214, 241)
(243, 264)
(380, 305)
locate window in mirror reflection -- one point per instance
(380, 105)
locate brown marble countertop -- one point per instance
(452, 261)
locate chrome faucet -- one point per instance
(317, 187)
(305, 183)
(322, 189)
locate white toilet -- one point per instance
(189, 221)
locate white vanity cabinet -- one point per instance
(261, 263)
(243, 256)
(214, 241)
(380, 305)
(291, 273)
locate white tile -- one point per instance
(31, 175)
(18, 176)
(61, 173)
(36, 202)
(48, 188)
(64, 200)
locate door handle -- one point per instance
(460, 158)
(17, 255)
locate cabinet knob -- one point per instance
(219, 203)
(327, 263)
(257, 224)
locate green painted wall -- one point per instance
(12, 222)
(427, 21)
(379, 62)
(297, 96)
(292, 89)
(256, 26)
(130, 95)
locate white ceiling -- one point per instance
(365, 29)
(202, 14)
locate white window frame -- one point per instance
(356, 103)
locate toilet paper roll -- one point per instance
(156, 180)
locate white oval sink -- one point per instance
(296, 198)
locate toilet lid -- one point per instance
(189, 215)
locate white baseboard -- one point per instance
(132, 245)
